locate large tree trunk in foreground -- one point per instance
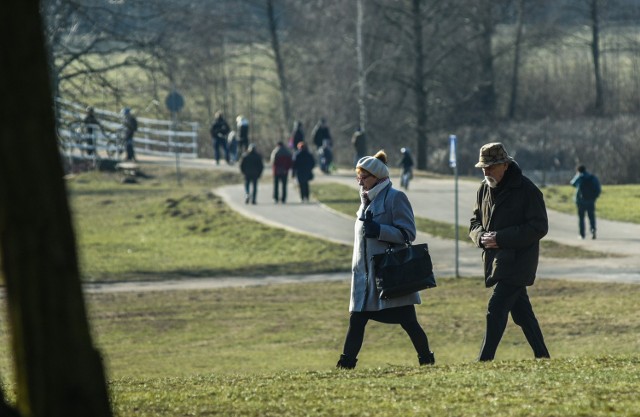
(59, 372)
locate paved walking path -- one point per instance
(430, 198)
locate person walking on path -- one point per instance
(302, 169)
(219, 131)
(359, 143)
(406, 162)
(587, 192)
(383, 213)
(129, 126)
(281, 162)
(242, 124)
(251, 167)
(297, 135)
(320, 133)
(509, 219)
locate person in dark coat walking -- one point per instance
(297, 135)
(303, 164)
(321, 133)
(130, 127)
(587, 192)
(281, 162)
(219, 131)
(359, 143)
(509, 219)
(251, 167)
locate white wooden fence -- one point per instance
(153, 137)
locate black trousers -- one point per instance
(277, 181)
(405, 316)
(304, 190)
(588, 208)
(508, 298)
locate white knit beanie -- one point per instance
(373, 165)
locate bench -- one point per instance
(129, 170)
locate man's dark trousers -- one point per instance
(280, 179)
(588, 207)
(509, 298)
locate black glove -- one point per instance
(371, 228)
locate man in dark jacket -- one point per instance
(251, 167)
(281, 163)
(587, 192)
(219, 131)
(509, 219)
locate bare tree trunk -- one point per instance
(418, 87)
(275, 45)
(598, 107)
(513, 100)
(59, 372)
(486, 96)
(362, 75)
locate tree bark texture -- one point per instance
(59, 372)
(418, 86)
(513, 98)
(275, 45)
(595, 52)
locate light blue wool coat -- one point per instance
(390, 208)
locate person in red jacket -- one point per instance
(281, 163)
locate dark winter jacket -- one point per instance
(219, 129)
(251, 165)
(303, 164)
(515, 210)
(588, 188)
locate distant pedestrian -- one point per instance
(587, 192)
(232, 146)
(281, 162)
(321, 133)
(384, 214)
(303, 164)
(91, 126)
(219, 131)
(325, 155)
(297, 135)
(251, 167)
(359, 142)
(406, 162)
(242, 124)
(129, 127)
(509, 219)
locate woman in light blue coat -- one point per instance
(383, 212)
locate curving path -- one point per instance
(430, 198)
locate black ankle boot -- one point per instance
(346, 362)
(427, 359)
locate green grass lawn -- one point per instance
(617, 202)
(157, 230)
(271, 350)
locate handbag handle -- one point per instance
(406, 240)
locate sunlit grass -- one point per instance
(155, 229)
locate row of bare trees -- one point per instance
(402, 70)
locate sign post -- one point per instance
(175, 103)
(454, 164)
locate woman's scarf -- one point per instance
(366, 197)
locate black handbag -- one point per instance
(402, 271)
